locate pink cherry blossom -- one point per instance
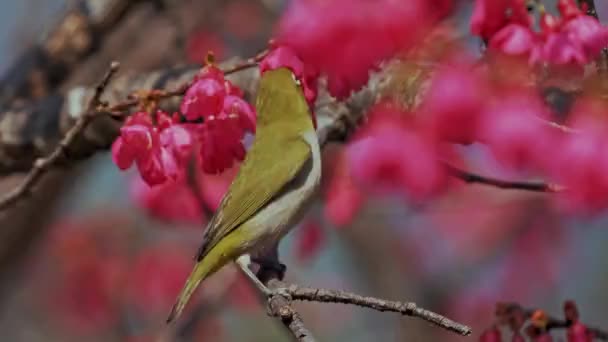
(491, 335)
(140, 142)
(490, 16)
(214, 186)
(582, 164)
(236, 106)
(243, 296)
(560, 49)
(172, 202)
(578, 332)
(203, 99)
(589, 33)
(156, 277)
(452, 105)
(389, 156)
(200, 42)
(574, 39)
(179, 140)
(514, 127)
(84, 299)
(283, 56)
(210, 71)
(346, 40)
(87, 274)
(309, 240)
(343, 199)
(162, 146)
(221, 143)
(514, 40)
(568, 9)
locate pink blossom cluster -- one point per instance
(573, 39)
(216, 120)
(97, 275)
(347, 39)
(540, 326)
(401, 151)
(177, 202)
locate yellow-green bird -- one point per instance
(273, 187)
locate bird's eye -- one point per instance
(295, 79)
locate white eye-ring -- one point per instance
(295, 79)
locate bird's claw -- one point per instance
(271, 265)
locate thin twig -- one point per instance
(382, 305)
(279, 296)
(42, 165)
(160, 94)
(248, 63)
(469, 177)
(279, 304)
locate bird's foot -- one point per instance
(270, 266)
(244, 262)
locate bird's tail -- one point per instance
(212, 262)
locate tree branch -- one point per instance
(280, 296)
(404, 308)
(42, 165)
(77, 35)
(279, 304)
(469, 177)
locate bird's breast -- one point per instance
(287, 209)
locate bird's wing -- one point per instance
(261, 176)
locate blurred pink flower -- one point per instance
(581, 165)
(514, 128)
(347, 39)
(84, 272)
(202, 41)
(491, 335)
(157, 275)
(243, 18)
(214, 186)
(451, 107)
(173, 202)
(589, 32)
(490, 16)
(243, 296)
(203, 99)
(86, 296)
(342, 197)
(516, 40)
(389, 156)
(309, 240)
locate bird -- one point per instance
(274, 186)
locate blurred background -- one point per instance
(105, 256)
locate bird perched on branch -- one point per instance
(275, 182)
